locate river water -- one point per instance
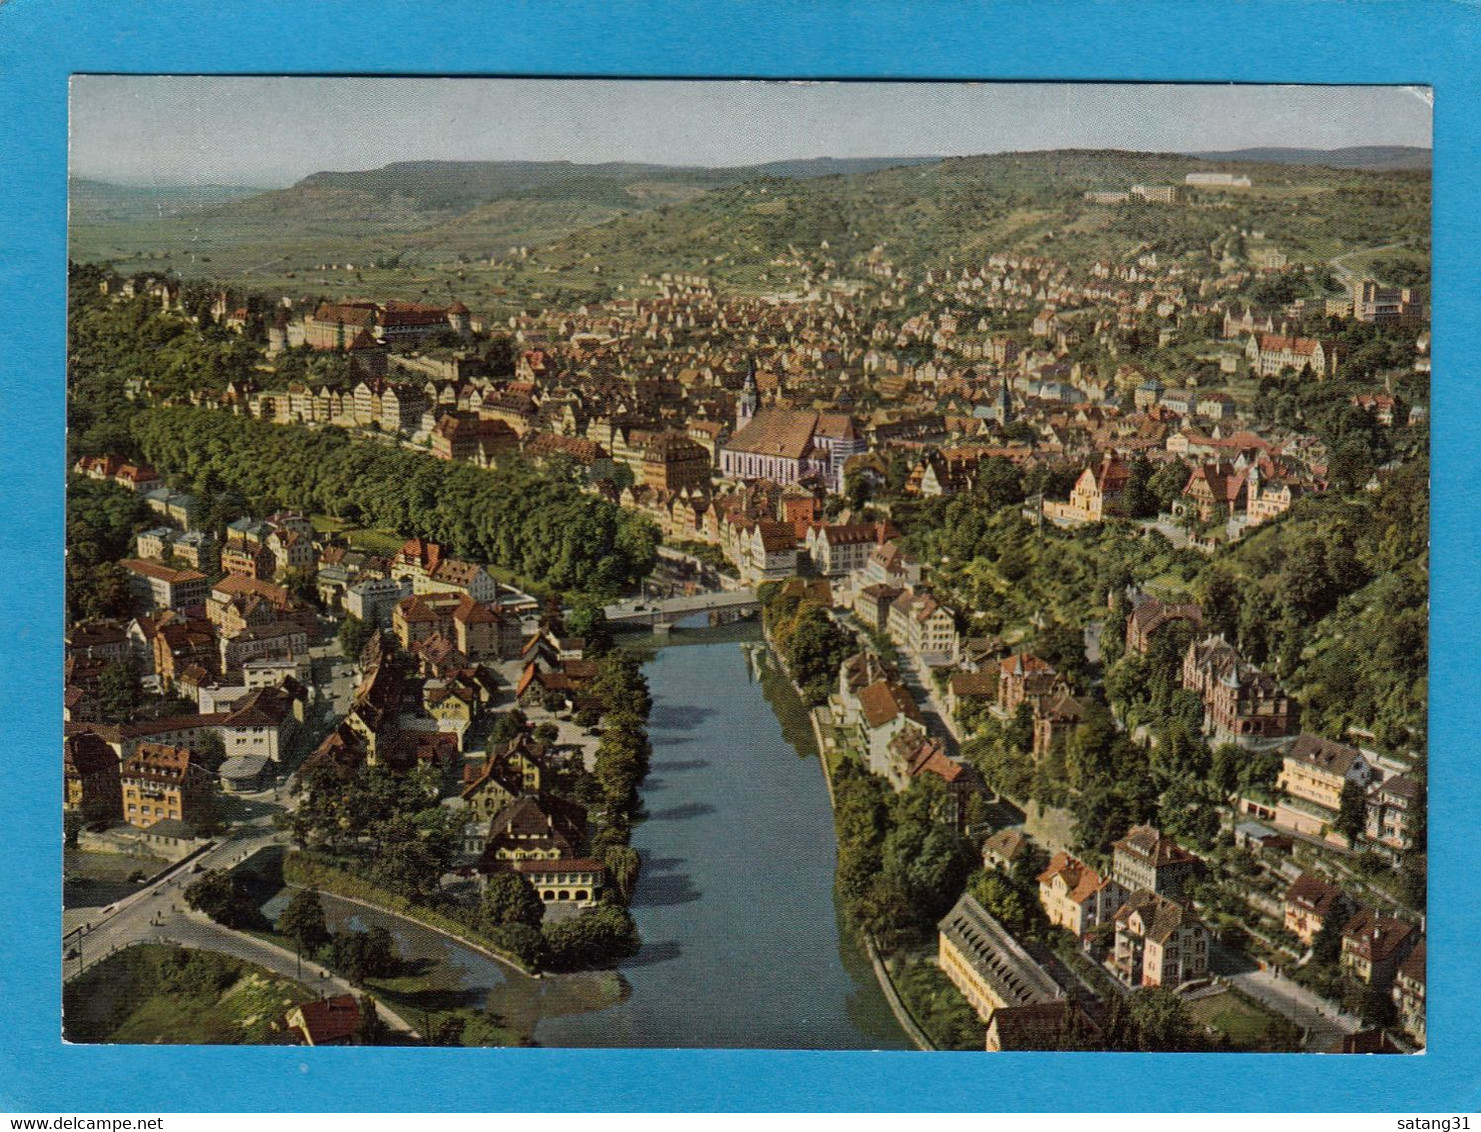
(742, 944)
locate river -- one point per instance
(742, 944)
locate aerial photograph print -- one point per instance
(764, 565)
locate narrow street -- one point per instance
(918, 679)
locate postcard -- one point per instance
(492, 582)
(749, 573)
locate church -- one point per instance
(787, 445)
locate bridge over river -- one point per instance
(661, 613)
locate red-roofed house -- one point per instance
(1268, 354)
(1076, 897)
(1022, 677)
(327, 1022)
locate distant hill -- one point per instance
(1376, 158)
(93, 201)
(423, 228)
(424, 193)
(970, 206)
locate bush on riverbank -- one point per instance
(596, 938)
(937, 1006)
(810, 641)
(899, 868)
(310, 870)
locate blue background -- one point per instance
(43, 41)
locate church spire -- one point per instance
(745, 407)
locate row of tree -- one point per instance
(809, 640)
(513, 516)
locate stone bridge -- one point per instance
(662, 613)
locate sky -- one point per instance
(272, 131)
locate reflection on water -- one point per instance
(741, 941)
(465, 978)
(742, 944)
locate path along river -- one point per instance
(742, 944)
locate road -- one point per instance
(191, 929)
(129, 919)
(1347, 274)
(158, 914)
(674, 608)
(917, 678)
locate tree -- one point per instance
(815, 650)
(1138, 500)
(1221, 602)
(588, 619)
(1002, 899)
(507, 725)
(302, 583)
(499, 356)
(1166, 484)
(1352, 812)
(220, 895)
(1224, 772)
(598, 937)
(998, 483)
(354, 635)
(622, 863)
(410, 851)
(364, 955)
(372, 1030)
(303, 921)
(120, 693)
(511, 899)
(1162, 1022)
(1326, 945)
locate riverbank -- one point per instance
(887, 986)
(744, 946)
(301, 871)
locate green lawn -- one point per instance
(383, 543)
(1246, 1025)
(327, 524)
(368, 539)
(153, 995)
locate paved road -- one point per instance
(917, 678)
(679, 606)
(159, 914)
(1346, 272)
(132, 917)
(191, 929)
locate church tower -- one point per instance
(745, 406)
(1005, 404)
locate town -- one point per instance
(1101, 582)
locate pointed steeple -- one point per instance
(745, 407)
